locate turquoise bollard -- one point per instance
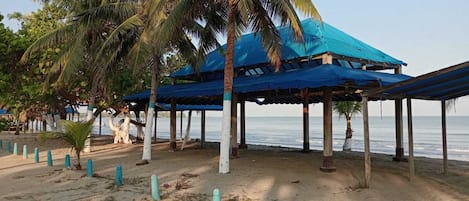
(36, 155)
(15, 149)
(49, 159)
(119, 175)
(155, 188)
(216, 195)
(67, 161)
(89, 168)
(1, 144)
(25, 152)
(8, 148)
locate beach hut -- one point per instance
(441, 85)
(330, 66)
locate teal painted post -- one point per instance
(119, 175)
(49, 158)
(155, 188)
(36, 155)
(1, 144)
(216, 195)
(67, 161)
(15, 149)
(8, 147)
(89, 168)
(25, 152)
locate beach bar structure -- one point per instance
(441, 85)
(329, 66)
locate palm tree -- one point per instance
(146, 49)
(257, 15)
(347, 109)
(75, 135)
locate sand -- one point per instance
(260, 173)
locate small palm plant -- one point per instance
(75, 135)
(347, 109)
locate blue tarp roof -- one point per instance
(326, 75)
(2, 111)
(180, 107)
(444, 84)
(319, 38)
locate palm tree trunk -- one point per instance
(78, 165)
(224, 163)
(89, 113)
(151, 112)
(348, 135)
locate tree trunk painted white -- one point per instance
(50, 121)
(348, 135)
(89, 117)
(124, 133)
(115, 129)
(188, 129)
(347, 144)
(224, 163)
(146, 156)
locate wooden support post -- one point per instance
(180, 124)
(305, 97)
(202, 129)
(234, 125)
(411, 139)
(100, 123)
(399, 131)
(172, 140)
(366, 140)
(328, 160)
(443, 135)
(243, 144)
(156, 126)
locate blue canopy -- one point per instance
(2, 111)
(326, 75)
(444, 84)
(319, 39)
(180, 107)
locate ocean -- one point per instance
(288, 132)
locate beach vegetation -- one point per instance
(347, 109)
(74, 134)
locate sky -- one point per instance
(428, 35)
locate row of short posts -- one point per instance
(155, 190)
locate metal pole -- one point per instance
(443, 135)
(411, 139)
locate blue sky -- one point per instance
(428, 35)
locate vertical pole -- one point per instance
(67, 161)
(328, 160)
(25, 151)
(1, 144)
(411, 139)
(15, 149)
(234, 125)
(443, 135)
(399, 125)
(49, 158)
(366, 136)
(202, 129)
(180, 124)
(100, 122)
(243, 144)
(155, 188)
(156, 127)
(89, 168)
(8, 147)
(172, 141)
(305, 120)
(36, 155)
(118, 175)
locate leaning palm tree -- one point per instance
(75, 134)
(347, 109)
(257, 15)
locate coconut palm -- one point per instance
(257, 15)
(75, 134)
(347, 109)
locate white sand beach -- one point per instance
(260, 173)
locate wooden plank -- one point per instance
(366, 136)
(328, 160)
(202, 129)
(443, 135)
(399, 131)
(411, 139)
(305, 120)
(243, 144)
(172, 140)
